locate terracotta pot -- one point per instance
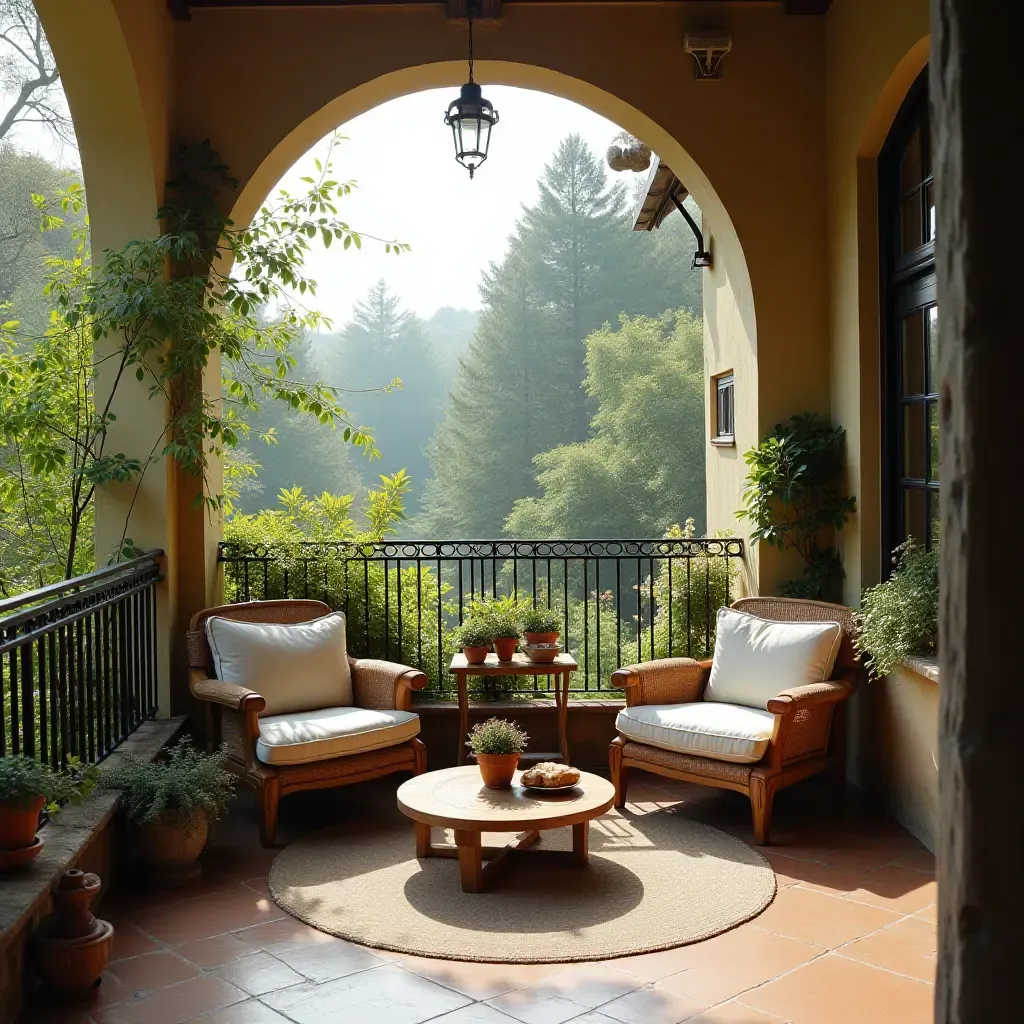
(18, 823)
(71, 948)
(170, 846)
(476, 655)
(497, 769)
(541, 638)
(506, 647)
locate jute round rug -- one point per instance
(654, 881)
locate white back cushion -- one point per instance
(756, 659)
(295, 667)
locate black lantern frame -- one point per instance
(471, 117)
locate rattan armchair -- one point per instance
(807, 734)
(233, 714)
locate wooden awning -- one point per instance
(656, 203)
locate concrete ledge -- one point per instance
(927, 668)
(78, 838)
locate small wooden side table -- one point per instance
(520, 665)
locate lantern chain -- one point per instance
(470, 7)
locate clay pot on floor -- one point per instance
(532, 639)
(497, 769)
(505, 646)
(18, 824)
(476, 655)
(71, 948)
(169, 847)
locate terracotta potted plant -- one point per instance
(497, 744)
(26, 787)
(500, 615)
(541, 626)
(170, 802)
(474, 637)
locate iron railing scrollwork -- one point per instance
(620, 601)
(78, 662)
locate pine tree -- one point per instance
(572, 266)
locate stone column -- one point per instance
(977, 90)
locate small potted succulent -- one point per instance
(171, 801)
(541, 626)
(497, 744)
(474, 637)
(26, 787)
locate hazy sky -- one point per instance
(410, 188)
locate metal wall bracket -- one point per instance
(702, 257)
(707, 49)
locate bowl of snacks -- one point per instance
(550, 776)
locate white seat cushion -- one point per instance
(295, 667)
(756, 659)
(725, 732)
(331, 732)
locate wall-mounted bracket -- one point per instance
(481, 8)
(702, 257)
(707, 49)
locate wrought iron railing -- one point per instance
(620, 601)
(78, 663)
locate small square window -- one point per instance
(725, 410)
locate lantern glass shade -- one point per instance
(471, 118)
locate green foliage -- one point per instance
(572, 265)
(540, 620)
(24, 779)
(645, 456)
(500, 615)
(900, 617)
(473, 633)
(795, 499)
(497, 736)
(183, 779)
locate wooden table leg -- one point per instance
(422, 840)
(463, 717)
(581, 843)
(563, 718)
(471, 864)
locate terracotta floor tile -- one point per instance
(587, 985)
(821, 920)
(477, 1013)
(902, 890)
(734, 1013)
(111, 992)
(736, 961)
(907, 947)
(930, 913)
(210, 915)
(835, 990)
(325, 961)
(259, 973)
(260, 885)
(655, 966)
(152, 971)
(652, 1005)
(872, 853)
(57, 1014)
(252, 1011)
(215, 952)
(173, 1005)
(129, 941)
(788, 870)
(387, 994)
(478, 981)
(920, 860)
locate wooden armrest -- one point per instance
(666, 681)
(796, 697)
(384, 684)
(230, 695)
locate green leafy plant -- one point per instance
(473, 633)
(24, 779)
(540, 620)
(794, 497)
(900, 617)
(497, 736)
(500, 614)
(184, 779)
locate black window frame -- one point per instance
(908, 288)
(725, 399)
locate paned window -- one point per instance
(725, 409)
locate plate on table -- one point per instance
(549, 789)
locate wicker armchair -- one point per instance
(233, 714)
(807, 736)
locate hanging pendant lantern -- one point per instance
(471, 117)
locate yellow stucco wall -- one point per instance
(875, 49)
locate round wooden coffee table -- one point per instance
(456, 798)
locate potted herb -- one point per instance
(497, 744)
(541, 626)
(170, 802)
(501, 616)
(474, 637)
(900, 617)
(26, 787)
